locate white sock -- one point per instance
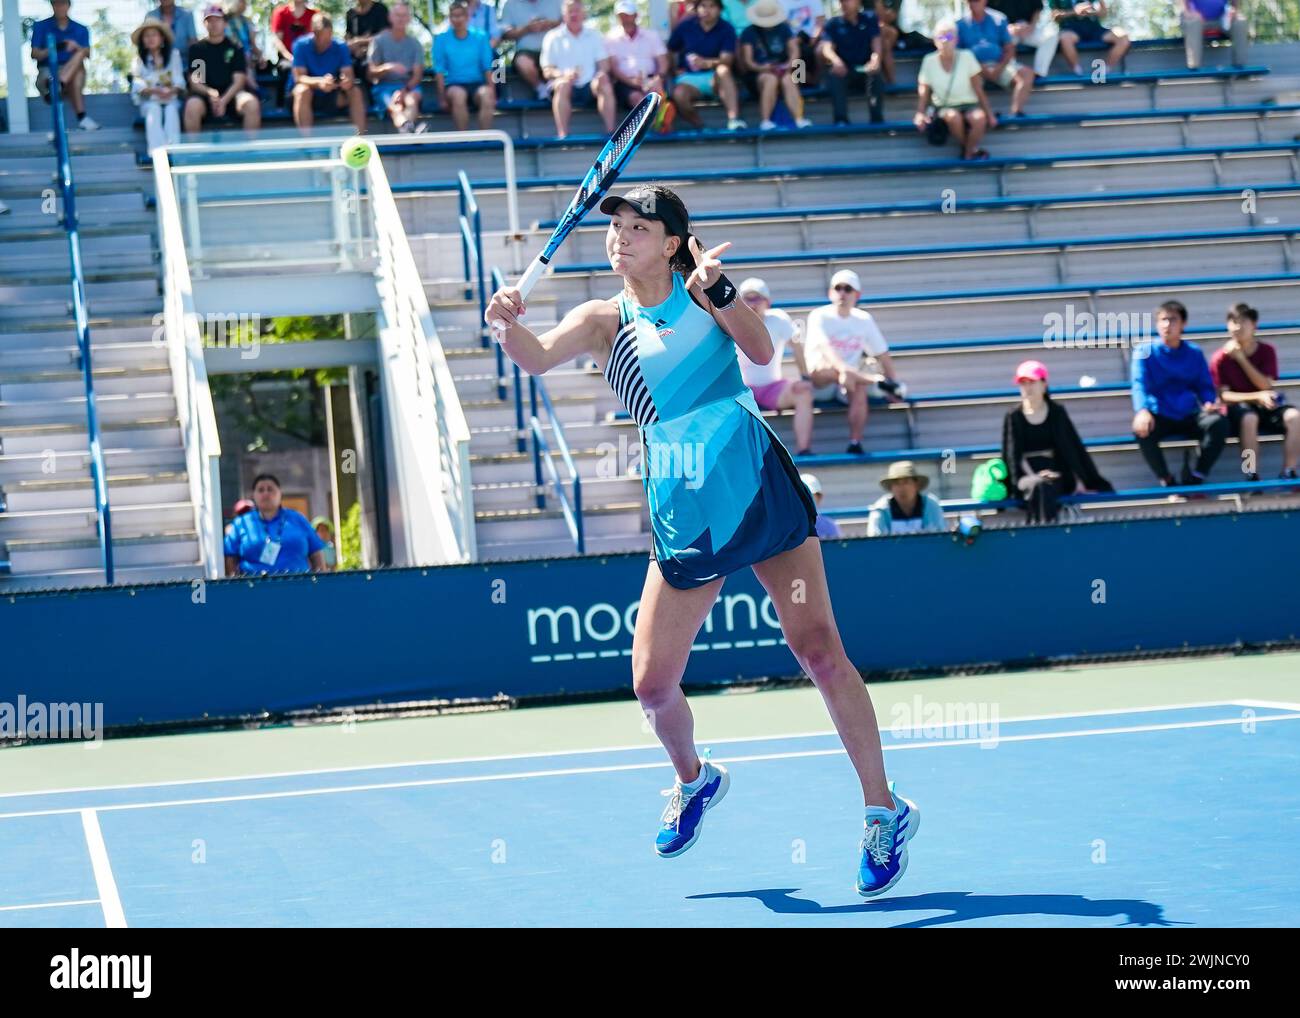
(698, 783)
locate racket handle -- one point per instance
(525, 285)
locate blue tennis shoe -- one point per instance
(684, 817)
(884, 845)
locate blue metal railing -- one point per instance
(80, 314)
(471, 246)
(541, 447)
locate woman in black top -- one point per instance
(1044, 455)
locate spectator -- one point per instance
(157, 83)
(704, 56)
(1080, 21)
(906, 508)
(638, 62)
(526, 23)
(325, 531)
(576, 65)
(241, 30)
(827, 528)
(363, 22)
(274, 539)
(839, 335)
(217, 73)
(289, 23)
(771, 389)
(1174, 396)
(1031, 26)
(73, 41)
(483, 17)
(1245, 371)
(769, 54)
(805, 18)
(240, 507)
(323, 81)
(894, 37)
(950, 95)
(181, 21)
(986, 34)
(395, 63)
(1200, 16)
(850, 48)
(1044, 455)
(462, 67)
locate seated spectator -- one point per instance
(985, 33)
(704, 55)
(1033, 26)
(274, 539)
(1081, 22)
(525, 23)
(805, 18)
(906, 509)
(1245, 371)
(950, 99)
(894, 37)
(241, 30)
(850, 50)
(1044, 454)
(73, 41)
(838, 337)
(1174, 397)
(240, 507)
(323, 81)
(1201, 16)
(638, 62)
(216, 78)
(462, 65)
(364, 21)
(769, 55)
(827, 528)
(395, 63)
(483, 17)
(329, 554)
(289, 23)
(157, 83)
(771, 389)
(576, 65)
(181, 21)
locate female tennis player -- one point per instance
(666, 345)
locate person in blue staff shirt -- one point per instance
(72, 39)
(274, 539)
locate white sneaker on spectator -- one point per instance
(767, 125)
(543, 90)
(407, 128)
(3, 208)
(420, 127)
(87, 123)
(736, 124)
(803, 122)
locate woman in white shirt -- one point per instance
(950, 95)
(156, 82)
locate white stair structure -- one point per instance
(48, 529)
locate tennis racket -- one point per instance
(595, 185)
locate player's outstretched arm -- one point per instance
(584, 330)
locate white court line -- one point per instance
(661, 764)
(48, 904)
(1280, 705)
(114, 917)
(542, 754)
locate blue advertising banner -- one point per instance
(229, 648)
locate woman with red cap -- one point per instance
(1044, 455)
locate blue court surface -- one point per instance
(1178, 816)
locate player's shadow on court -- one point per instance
(961, 906)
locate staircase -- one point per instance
(48, 531)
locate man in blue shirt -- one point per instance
(72, 39)
(462, 67)
(704, 59)
(323, 79)
(1174, 397)
(849, 45)
(987, 34)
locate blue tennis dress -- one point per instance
(722, 490)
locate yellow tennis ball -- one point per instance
(356, 153)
